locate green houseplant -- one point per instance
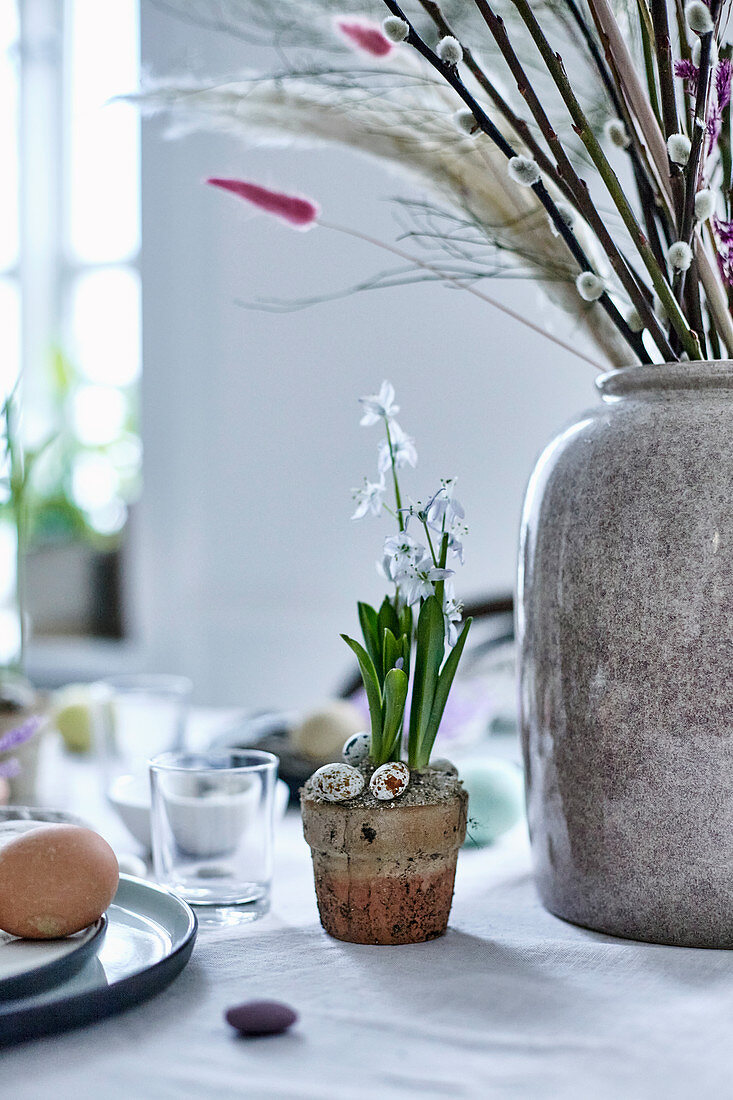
(385, 832)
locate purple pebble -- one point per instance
(261, 1017)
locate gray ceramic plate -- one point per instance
(149, 939)
(28, 966)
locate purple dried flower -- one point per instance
(723, 76)
(687, 71)
(9, 769)
(724, 236)
(20, 734)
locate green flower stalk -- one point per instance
(397, 649)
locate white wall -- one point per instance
(248, 563)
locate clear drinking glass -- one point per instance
(212, 830)
(136, 717)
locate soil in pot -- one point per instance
(384, 871)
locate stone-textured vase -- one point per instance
(625, 630)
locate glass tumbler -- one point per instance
(136, 717)
(212, 830)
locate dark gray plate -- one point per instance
(149, 938)
(28, 966)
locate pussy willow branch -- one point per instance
(645, 185)
(632, 88)
(583, 200)
(693, 167)
(647, 36)
(667, 95)
(554, 65)
(450, 75)
(518, 124)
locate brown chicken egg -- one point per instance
(55, 880)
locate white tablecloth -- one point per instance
(511, 1003)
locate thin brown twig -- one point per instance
(583, 200)
(668, 96)
(485, 124)
(518, 124)
(556, 69)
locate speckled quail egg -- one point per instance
(338, 782)
(390, 781)
(357, 748)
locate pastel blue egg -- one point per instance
(495, 798)
(356, 749)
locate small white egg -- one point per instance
(357, 748)
(390, 781)
(338, 782)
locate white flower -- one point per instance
(369, 498)
(523, 170)
(444, 511)
(400, 552)
(403, 450)
(417, 580)
(633, 320)
(450, 50)
(590, 286)
(678, 147)
(698, 17)
(465, 120)
(660, 309)
(704, 204)
(616, 133)
(679, 256)
(456, 547)
(395, 29)
(379, 406)
(452, 613)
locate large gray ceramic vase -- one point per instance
(625, 628)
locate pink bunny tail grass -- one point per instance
(300, 213)
(365, 36)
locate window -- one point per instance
(70, 297)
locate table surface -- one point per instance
(510, 1003)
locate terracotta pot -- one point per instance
(625, 632)
(384, 873)
(18, 702)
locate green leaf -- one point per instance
(428, 659)
(442, 690)
(388, 619)
(395, 694)
(369, 623)
(391, 650)
(371, 686)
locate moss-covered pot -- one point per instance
(384, 871)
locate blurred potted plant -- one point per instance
(19, 702)
(384, 833)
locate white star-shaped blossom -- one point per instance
(452, 613)
(444, 508)
(379, 406)
(403, 450)
(402, 551)
(417, 580)
(369, 498)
